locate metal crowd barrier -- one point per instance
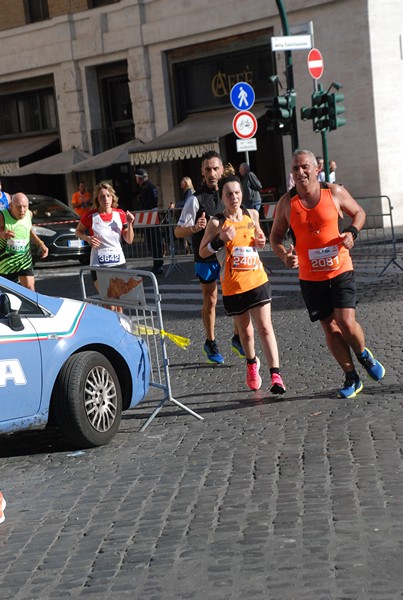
(156, 228)
(377, 238)
(137, 293)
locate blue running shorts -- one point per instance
(208, 272)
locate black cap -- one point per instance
(141, 173)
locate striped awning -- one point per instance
(191, 138)
(11, 151)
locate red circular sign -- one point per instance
(315, 63)
(244, 124)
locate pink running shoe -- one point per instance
(2, 507)
(253, 379)
(277, 384)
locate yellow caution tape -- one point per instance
(180, 341)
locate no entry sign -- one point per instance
(315, 63)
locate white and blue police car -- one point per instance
(67, 363)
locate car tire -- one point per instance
(87, 400)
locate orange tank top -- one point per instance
(318, 245)
(241, 270)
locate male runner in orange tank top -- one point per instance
(321, 253)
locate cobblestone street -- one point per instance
(298, 497)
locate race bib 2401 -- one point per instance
(244, 258)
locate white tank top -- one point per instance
(110, 253)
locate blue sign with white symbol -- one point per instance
(242, 96)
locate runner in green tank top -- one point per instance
(15, 236)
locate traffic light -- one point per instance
(334, 110)
(306, 113)
(325, 110)
(281, 112)
(282, 108)
(319, 112)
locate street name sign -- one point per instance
(291, 42)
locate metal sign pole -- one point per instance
(289, 74)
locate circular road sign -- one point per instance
(242, 96)
(244, 124)
(315, 63)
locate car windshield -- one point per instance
(50, 209)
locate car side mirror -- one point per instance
(9, 306)
(5, 305)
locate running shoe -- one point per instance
(253, 379)
(277, 384)
(2, 507)
(352, 386)
(372, 366)
(210, 349)
(236, 347)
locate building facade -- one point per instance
(94, 74)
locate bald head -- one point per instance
(244, 169)
(19, 205)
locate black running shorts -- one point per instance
(322, 297)
(14, 277)
(240, 303)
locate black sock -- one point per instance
(353, 375)
(251, 361)
(274, 370)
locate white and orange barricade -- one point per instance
(145, 218)
(269, 210)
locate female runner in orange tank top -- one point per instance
(235, 235)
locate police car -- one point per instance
(67, 363)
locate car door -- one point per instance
(20, 365)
